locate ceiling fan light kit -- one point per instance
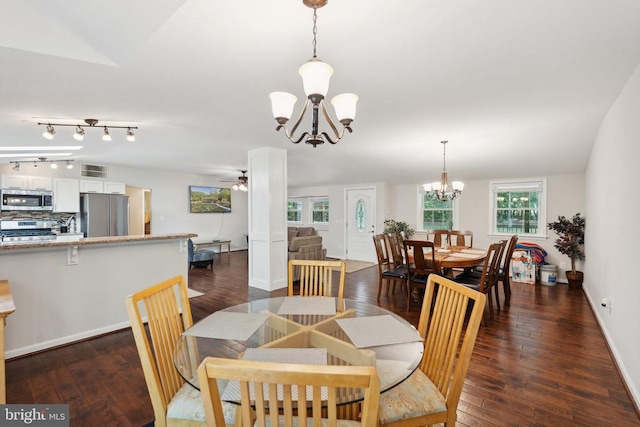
(242, 184)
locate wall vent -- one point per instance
(94, 171)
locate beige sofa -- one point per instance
(304, 243)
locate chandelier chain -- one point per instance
(444, 156)
(315, 29)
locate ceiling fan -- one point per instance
(242, 183)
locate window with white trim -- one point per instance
(436, 214)
(294, 210)
(319, 208)
(519, 207)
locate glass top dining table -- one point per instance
(356, 333)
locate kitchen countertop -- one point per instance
(97, 241)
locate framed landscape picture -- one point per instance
(209, 199)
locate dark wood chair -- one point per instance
(394, 245)
(487, 282)
(505, 268)
(386, 267)
(461, 238)
(436, 236)
(423, 265)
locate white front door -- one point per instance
(361, 224)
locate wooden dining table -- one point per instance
(456, 257)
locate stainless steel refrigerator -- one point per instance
(104, 215)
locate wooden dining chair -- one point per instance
(424, 263)
(394, 246)
(267, 385)
(505, 267)
(316, 277)
(431, 394)
(165, 307)
(386, 267)
(461, 238)
(436, 236)
(486, 283)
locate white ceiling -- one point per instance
(518, 87)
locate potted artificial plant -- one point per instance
(570, 242)
(393, 226)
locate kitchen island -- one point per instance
(66, 291)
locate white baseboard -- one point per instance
(65, 340)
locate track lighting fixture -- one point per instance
(50, 132)
(53, 164)
(107, 135)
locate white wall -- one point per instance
(565, 196)
(333, 235)
(612, 231)
(169, 201)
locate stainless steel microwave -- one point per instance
(26, 200)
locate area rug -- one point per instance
(353, 266)
(193, 293)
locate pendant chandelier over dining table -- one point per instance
(315, 78)
(444, 190)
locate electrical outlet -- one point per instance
(563, 265)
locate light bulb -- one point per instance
(130, 135)
(106, 136)
(79, 135)
(49, 133)
(54, 165)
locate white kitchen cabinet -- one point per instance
(27, 182)
(14, 181)
(87, 186)
(114, 187)
(66, 195)
(40, 183)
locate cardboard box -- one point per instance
(523, 269)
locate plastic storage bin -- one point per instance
(548, 274)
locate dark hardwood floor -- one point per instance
(542, 361)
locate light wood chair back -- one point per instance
(461, 238)
(163, 304)
(436, 237)
(449, 341)
(7, 306)
(316, 277)
(265, 385)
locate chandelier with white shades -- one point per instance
(443, 189)
(315, 78)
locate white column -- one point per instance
(268, 218)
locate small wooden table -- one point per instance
(215, 243)
(6, 308)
